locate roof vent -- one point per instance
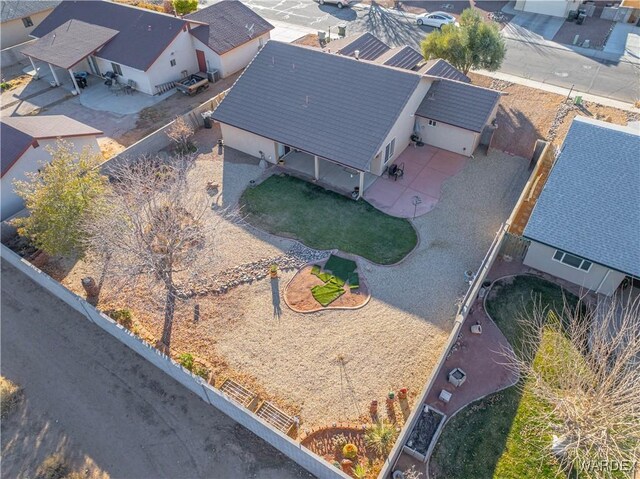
(356, 54)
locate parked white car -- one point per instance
(339, 3)
(436, 19)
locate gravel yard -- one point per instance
(327, 366)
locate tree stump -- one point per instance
(90, 287)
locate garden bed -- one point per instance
(424, 431)
(301, 296)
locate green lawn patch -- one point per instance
(329, 292)
(340, 267)
(322, 219)
(354, 280)
(493, 438)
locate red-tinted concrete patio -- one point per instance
(426, 169)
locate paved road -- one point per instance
(96, 394)
(555, 65)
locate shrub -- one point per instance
(122, 317)
(182, 7)
(380, 438)
(201, 371)
(339, 441)
(186, 360)
(350, 451)
(5, 85)
(53, 467)
(10, 394)
(359, 472)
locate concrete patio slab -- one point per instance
(426, 169)
(99, 97)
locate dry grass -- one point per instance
(527, 114)
(10, 396)
(310, 40)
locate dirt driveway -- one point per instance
(90, 397)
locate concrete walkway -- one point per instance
(90, 397)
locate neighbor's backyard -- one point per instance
(493, 437)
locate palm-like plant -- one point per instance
(381, 437)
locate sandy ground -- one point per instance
(297, 293)
(526, 114)
(92, 398)
(328, 366)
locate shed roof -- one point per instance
(459, 104)
(70, 43)
(443, 69)
(280, 96)
(590, 204)
(143, 34)
(401, 57)
(230, 24)
(369, 47)
(14, 9)
(19, 132)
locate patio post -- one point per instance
(35, 69)
(361, 190)
(55, 77)
(316, 168)
(73, 79)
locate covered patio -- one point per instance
(67, 46)
(333, 176)
(417, 191)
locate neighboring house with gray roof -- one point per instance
(364, 46)
(147, 49)
(281, 110)
(585, 225)
(232, 36)
(401, 57)
(443, 69)
(20, 17)
(24, 149)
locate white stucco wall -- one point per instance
(33, 158)
(212, 58)
(248, 142)
(238, 58)
(141, 78)
(557, 8)
(599, 278)
(447, 137)
(402, 129)
(181, 50)
(14, 32)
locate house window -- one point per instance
(389, 149)
(116, 68)
(173, 63)
(432, 123)
(27, 22)
(572, 260)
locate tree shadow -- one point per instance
(275, 298)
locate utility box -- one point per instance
(213, 76)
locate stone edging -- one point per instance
(328, 307)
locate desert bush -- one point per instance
(350, 451)
(53, 467)
(339, 441)
(180, 133)
(123, 317)
(10, 394)
(5, 85)
(200, 370)
(186, 361)
(380, 438)
(182, 7)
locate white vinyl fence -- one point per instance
(296, 452)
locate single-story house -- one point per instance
(556, 8)
(24, 149)
(230, 38)
(148, 50)
(585, 225)
(18, 18)
(443, 69)
(279, 107)
(365, 46)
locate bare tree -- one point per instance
(181, 133)
(585, 364)
(159, 232)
